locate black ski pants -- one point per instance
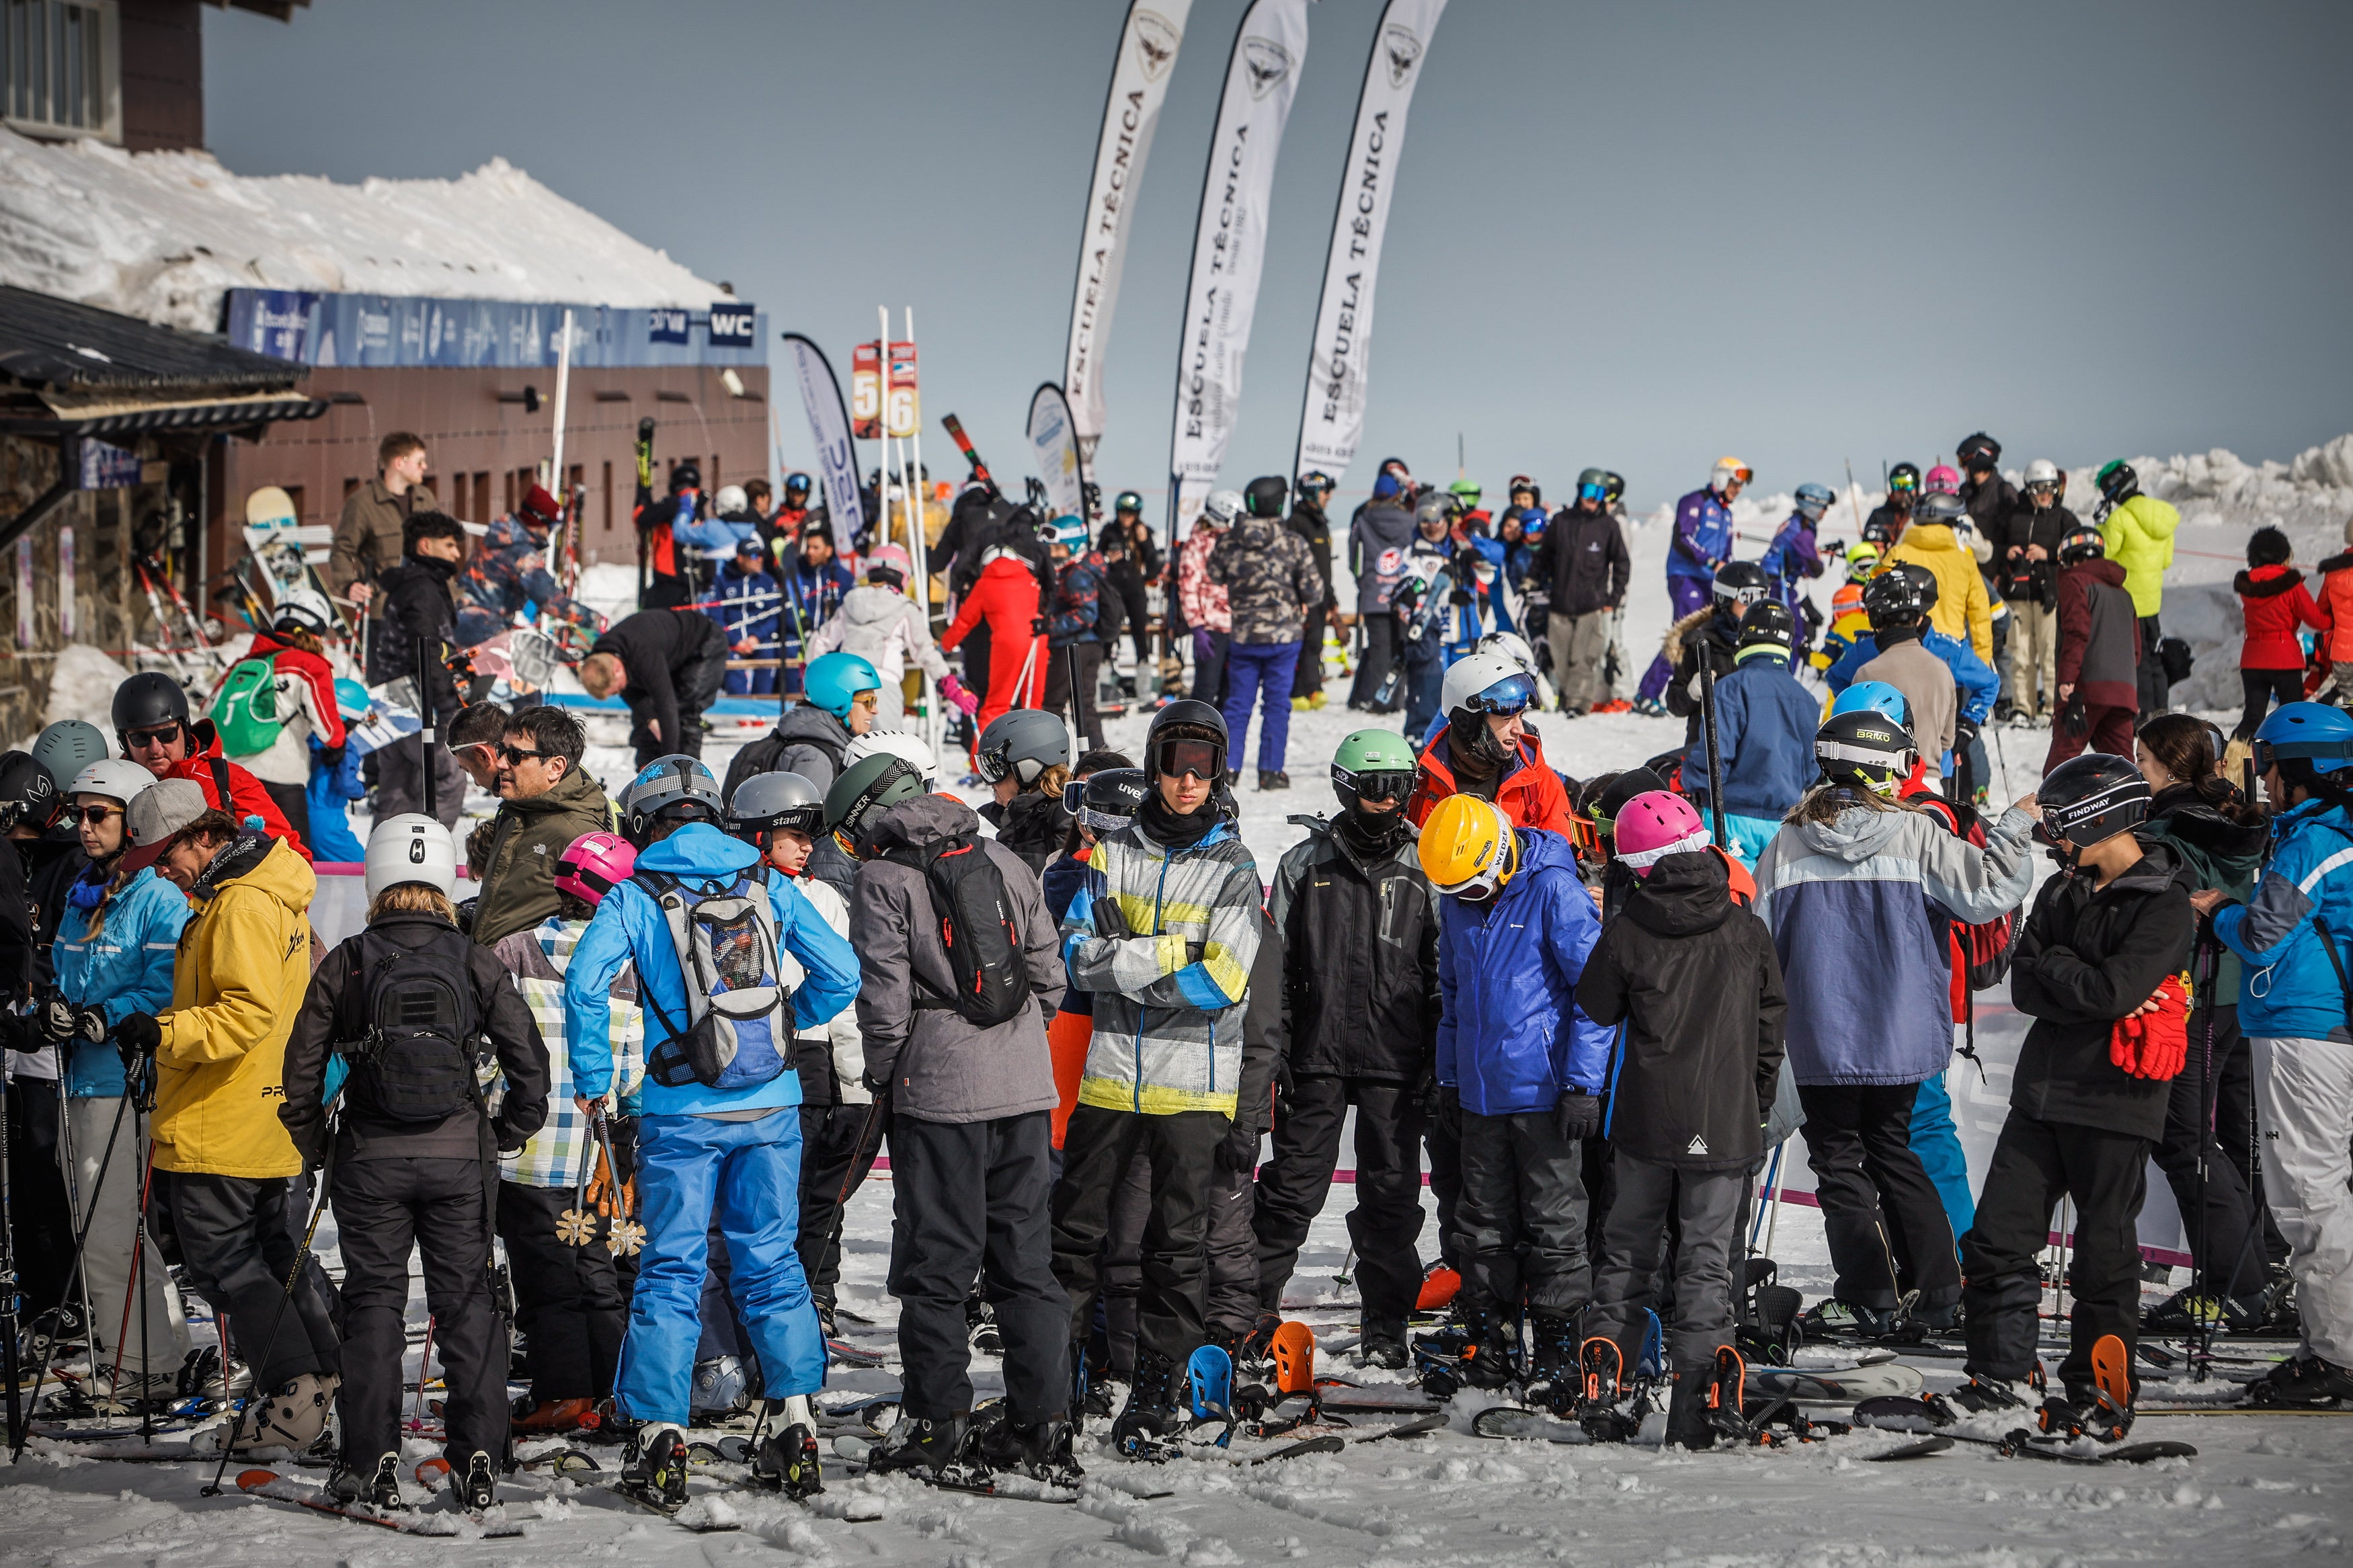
(1179, 1151)
(1072, 674)
(1703, 1207)
(1230, 1288)
(237, 1239)
(1307, 675)
(1443, 1139)
(2229, 1245)
(40, 1221)
(1523, 1216)
(1885, 1225)
(1382, 647)
(385, 1206)
(969, 1197)
(2035, 1164)
(1296, 1180)
(567, 1298)
(838, 1143)
(1123, 1265)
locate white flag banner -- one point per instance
(1338, 373)
(1054, 448)
(1139, 82)
(829, 417)
(1230, 242)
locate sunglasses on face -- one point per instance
(515, 756)
(140, 739)
(95, 816)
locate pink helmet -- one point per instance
(1943, 481)
(1655, 824)
(893, 556)
(593, 865)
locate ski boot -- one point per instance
(1150, 1412)
(980, 1322)
(474, 1485)
(1042, 1450)
(2189, 1311)
(1833, 1319)
(1553, 1374)
(933, 1448)
(1382, 1345)
(653, 1466)
(1255, 1349)
(2305, 1380)
(1607, 1410)
(2280, 1312)
(784, 1448)
(1490, 1359)
(1273, 778)
(1714, 1406)
(377, 1487)
(532, 1418)
(824, 1319)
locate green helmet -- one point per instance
(1467, 491)
(866, 788)
(1373, 765)
(1128, 501)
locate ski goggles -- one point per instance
(2268, 753)
(1511, 695)
(1592, 492)
(1740, 474)
(1378, 783)
(1176, 757)
(806, 820)
(2043, 487)
(995, 764)
(1483, 884)
(1901, 484)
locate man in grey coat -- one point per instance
(971, 1152)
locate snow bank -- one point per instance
(161, 236)
(82, 686)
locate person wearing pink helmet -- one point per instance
(880, 623)
(1943, 480)
(1693, 978)
(568, 1299)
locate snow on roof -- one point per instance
(161, 235)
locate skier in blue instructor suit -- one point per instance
(737, 1149)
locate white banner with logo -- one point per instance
(1139, 83)
(1229, 243)
(1337, 370)
(829, 417)
(1054, 448)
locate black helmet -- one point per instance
(1903, 479)
(1615, 487)
(1264, 496)
(2117, 482)
(29, 797)
(765, 802)
(1128, 500)
(2091, 797)
(1020, 744)
(1742, 582)
(1865, 749)
(1978, 451)
(1767, 624)
(147, 699)
(1900, 596)
(1317, 482)
(685, 475)
(2083, 545)
(1939, 508)
(1188, 718)
(866, 788)
(1105, 802)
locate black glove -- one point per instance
(1237, 1152)
(1037, 625)
(137, 1037)
(1459, 596)
(1578, 1116)
(1448, 1113)
(330, 757)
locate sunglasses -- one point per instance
(1381, 785)
(515, 756)
(872, 700)
(1202, 759)
(163, 736)
(95, 816)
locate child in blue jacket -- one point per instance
(1764, 723)
(1521, 1068)
(749, 607)
(700, 1145)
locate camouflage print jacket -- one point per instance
(508, 573)
(1270, 577)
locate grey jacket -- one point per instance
(939, 1066)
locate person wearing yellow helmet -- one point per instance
(1520, 1072)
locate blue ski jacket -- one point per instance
(1791, 558)
(1702, 538)
(629, 929)
(1979, 685)
(2291, 990)
(124, 968)
(1765, 724)
(1511, 1036)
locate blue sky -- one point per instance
(1635, 237)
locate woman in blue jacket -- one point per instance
(114, 951)
(1859, 889)
(1521, 1069)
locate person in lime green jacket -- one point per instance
(2138, 530)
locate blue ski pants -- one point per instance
(1252, 667)
(1937, 1141)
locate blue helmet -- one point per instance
(1814, 501)
(352, 700)
(2317, 733)
(834, 679)
(1875, 697)
(1071, 533)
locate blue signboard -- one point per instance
(105, 467)
(666, 326)
(396, 331)
(734, 325)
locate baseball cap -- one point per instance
(155, 816)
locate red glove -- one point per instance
(2155, 1045)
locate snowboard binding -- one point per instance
(1608, 1407)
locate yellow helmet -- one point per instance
(1467, 847)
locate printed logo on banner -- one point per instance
(1268, 63)
(733, 325)
(1155, 44)
(107, 467)
(666, 326)
(1404, 52)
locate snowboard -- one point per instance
(273, 535)
(1827, 1385)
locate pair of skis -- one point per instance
(2113, 1382)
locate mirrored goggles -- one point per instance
(1512, 694)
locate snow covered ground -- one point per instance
(2264, 1490)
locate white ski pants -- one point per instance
(112, 1215)
(2304, 1104)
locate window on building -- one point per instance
(349, 486)
(609, 497)
(60, 67)
(481, 513)
(294, 496)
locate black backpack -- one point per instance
(977, 928)
(412, 1046)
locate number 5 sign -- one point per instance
(866, 392)
(903, 407)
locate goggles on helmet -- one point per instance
(1178, 755)
(1903, 482)
(2268, 753)
(1074, 801)
(1482, 883)
(1378, 783)
(1512, 694)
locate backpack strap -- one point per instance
(220, 782)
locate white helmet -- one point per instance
(303, 608)
(2042, 471)
(410, 848)
(112, 778)
(1222, 508)
(730, 499)
(1512, 645)
(896, 743)
(1469, 676)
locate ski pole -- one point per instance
(1773, 1209)
(1714, 763)
(11, 1303)
(74, 1263)
(424, 1361)
(1772, 1181)
(276, 1320)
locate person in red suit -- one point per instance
(1005, 596)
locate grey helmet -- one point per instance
(674, 783)
(1021, 744)
(765, 802)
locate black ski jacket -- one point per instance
(414, 603)
(1359, 958)
(2086, 959)
(1695, 981)
(1584, 558)
(655, 646)
(2022, 580)
(1033, 826)
(1308, 522)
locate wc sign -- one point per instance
(733, 325)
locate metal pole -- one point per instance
(919, 551)
(562, 489)
(426, 736)
(11, 1303)
(1707, 710)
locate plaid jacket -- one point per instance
(557, 1156)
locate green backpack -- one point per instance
(245, 712)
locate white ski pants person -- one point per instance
(2304, 1104)
(112, 1215)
